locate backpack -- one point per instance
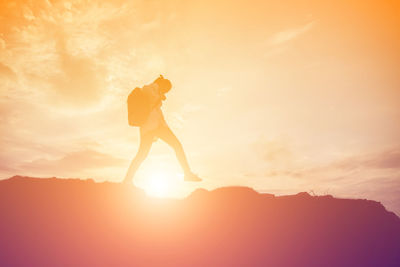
(138, 107)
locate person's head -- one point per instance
(164, 84)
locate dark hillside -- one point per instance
(71, 222)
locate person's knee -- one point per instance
(177, 146)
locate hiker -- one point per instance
(154, 126)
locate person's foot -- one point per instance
(191, 177)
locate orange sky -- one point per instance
(282, 96)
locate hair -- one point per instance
(164, 84)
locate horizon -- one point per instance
(282, 98)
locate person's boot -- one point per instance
(191, 177)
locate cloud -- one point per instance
(290, 34)
(81, 80)
(2, 43)
(279, 158)
(389, 159)
(386, 160)
(6, 164)
(7, 72)
(74, 162)
(152, 25)
(54, 48)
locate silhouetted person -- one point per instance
(156, 127)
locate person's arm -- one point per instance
(154, 95)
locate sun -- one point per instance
(156, 185)
(163, 183)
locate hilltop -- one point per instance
(72, 222)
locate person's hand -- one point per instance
(160, 93)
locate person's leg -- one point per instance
(144, 148)
(169, 137)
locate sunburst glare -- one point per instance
(161, 184)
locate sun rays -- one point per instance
(161, 184)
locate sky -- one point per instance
(280, 96)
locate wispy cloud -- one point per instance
(290, 34)
(388, 159)
(75, 162)
(6, 72)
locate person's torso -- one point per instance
(156, 117)
(153, 95)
